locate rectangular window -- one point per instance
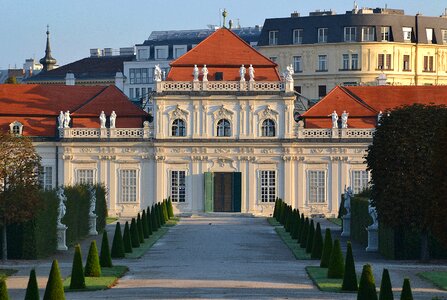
(131, 93)
(178, 186)
(430, 35)
(321, 91)
(273, 37)
(354, 61)
(428, 63)
(268, 186)
(368, 34)
(444, 36)
(128, 185)
(345, 59)
(407, 32)
(385, 33)
(137, 93)
(46, 178)
(143, 54)
(388, 61)
(139, 75)
(384, 62)
(322, 35)
(85, 176)
(317, 187)
(350, 34)
(406, 64)
(359, 181)
(322, 62)
(161, 52)
(179, 51)
(273, 58)
(297, 64)
(297, 36)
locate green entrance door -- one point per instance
(223, 192)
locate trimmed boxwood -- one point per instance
(54, 288)
(134, 236)
(304, 233)
(144, 224)
(164, 206)
(406, 291)
(367, 286)
(32, 290)
(336, 267)
(310, 237)
(77, 270)
(118, 243)
(350, 277)
(327, 249)
(360, 219)
(3, 290)
(127, 240)
(154, 219)
(92, 266)
(317, 244)
(386, 290)
(140, 229)
(105, 259)
(170, 209)
(149, 221)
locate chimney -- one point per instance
(70, 79)
(119, 81)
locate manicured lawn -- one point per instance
(300, 253)
(438, 278)
(336, 221)
(110, 220)
(108, 278)
(6, 273)
(319, 277)
(140, 251)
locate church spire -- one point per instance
(48, 61)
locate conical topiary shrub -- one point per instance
(367, 286)
(105, 260)
(170, 209)
(134, 234)
(288, 219)
(282, 214)
(118, 243)
(295, 224)
(310, 237)
(127, 239)
(275, 209)
(55, 288)
(160, 214)
(140, 229)
(350, 277)
(406, 291)
(304, 232)
(386, 290)
(3, 290)
(77, 280)
(154, 219)
(317, 244)
(164, 206)
(144, 224)
(92, 266)
(336, 267)
(327, 249)
(32, 290)
(149, 221)
(300, 228)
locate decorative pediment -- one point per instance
(268, 113)
(223, 113)
(178, 113)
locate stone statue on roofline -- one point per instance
(251, 73)
(205, 73)
(195, 73)
(60, 120)
(334, 118)
(157, 73)
(344, 119)
(67, 119)
(289, 73)
(102, 120)
(242, 72)
(113, 119)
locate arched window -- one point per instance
(178, 128)
(223, 128)
(268, 128)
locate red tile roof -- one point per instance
(363, 103)
(37, 106)
(223, 51)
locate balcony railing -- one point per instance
(117, 133)
(213, 86)
(335, 133)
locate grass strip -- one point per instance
(109, 277)
(110, 220)
(437, 278)
(300, 253)
(319, 277)
(148, 243)
(335, 221)
(273, 222)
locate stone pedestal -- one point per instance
(61, 241)
(373, 238)
(346, 225)
(92, 225)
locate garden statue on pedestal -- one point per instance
(347, 217)
(92, 215)
(373, 237)
(61, 211)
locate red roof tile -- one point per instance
(223, 51)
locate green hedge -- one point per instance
(360, 219)
(101, 207)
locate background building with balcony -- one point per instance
(328, 49)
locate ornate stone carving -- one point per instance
(159, 158)
(223, 113)
(221, 150)
(316, 151)
(268, 113)
(175, 150)
(199, 158)
(267, 151)
(178, 113)
(247, 158)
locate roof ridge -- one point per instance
(357, 98)
(91, 99)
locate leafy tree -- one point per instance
(54, 288)
(32, 290)
(317, 244)
(127, 239)
(406, 291)
(336, 267)
(350, 277)
(367, 286)
(327, 249)
(92, 266)
(19, 182)
(118, 243)
(105, 260)
(386, 292)
(11, 80)
(402, 167)
(3, 290)
(77, 270)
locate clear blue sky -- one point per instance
(76, 26)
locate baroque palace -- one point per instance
(220, 135)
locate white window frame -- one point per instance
(359, 180)
(16, 128)
(323, 34)
(407, 34)
(430, 32)
(81, 177)
(297, 36)
(385, 33)
(127, 193)
(368, 34)
(273, 37)
(163, 48)
(354, 61)
(175, 190)
(320, 192)
(146, 49)
(350, 34)
(444, 36)
(297, 64)
(179, 47)
(322, 62)
(266, 196)
(273, 58)
(46, 177)
(345, 61)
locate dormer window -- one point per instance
(16, 128)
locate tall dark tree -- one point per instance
(19, 175)
(403, 166)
